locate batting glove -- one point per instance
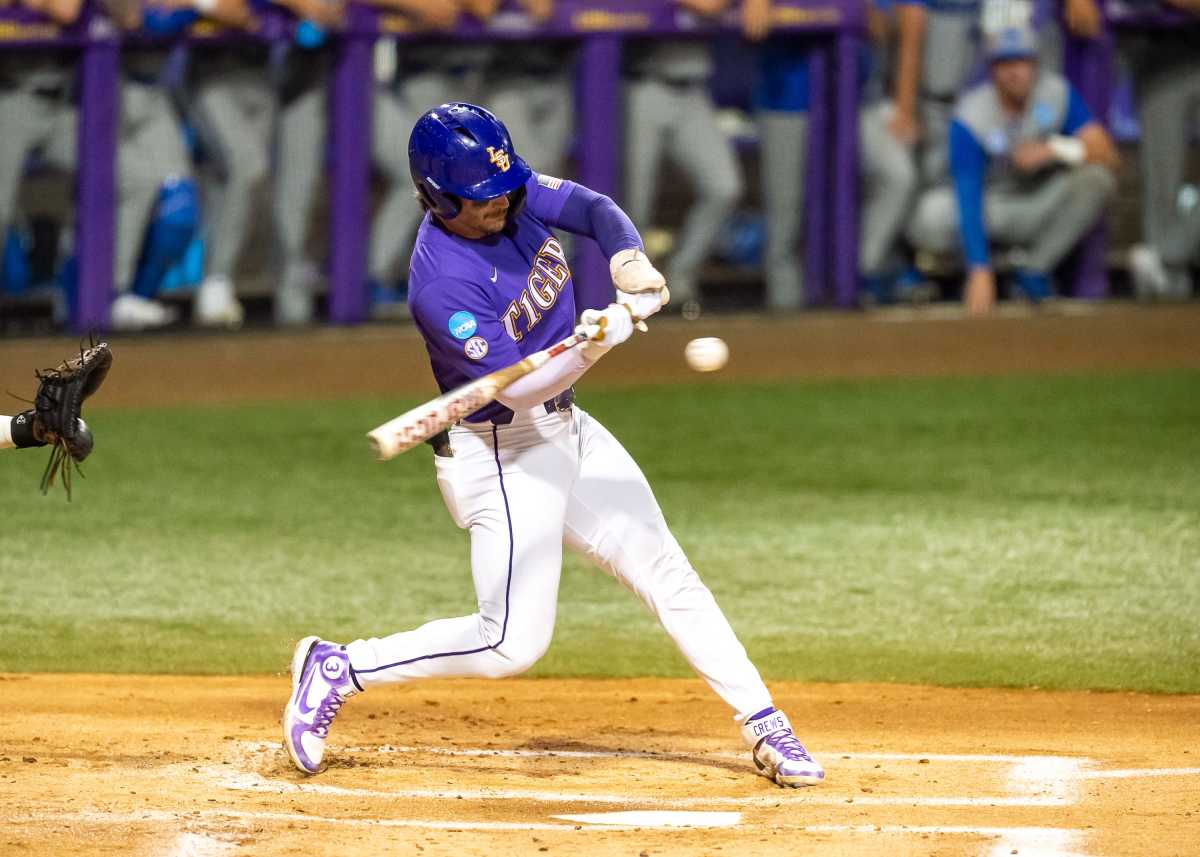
(645, 304)
(607, 327)
(633, 274)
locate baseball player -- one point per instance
(1167, 82)
(888, 130)
(670, 112)
(530, 472)
(231, 103)
(424, 72)
(1032, 169)
(302, 81)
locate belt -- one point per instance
(559, 404)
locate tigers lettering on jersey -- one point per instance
(547, 278)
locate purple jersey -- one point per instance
(483, 304)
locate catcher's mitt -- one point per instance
(58, 406)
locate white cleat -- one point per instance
(321, 682)
(132, 312)
(778, 755)
(216, 305)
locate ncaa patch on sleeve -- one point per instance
(462, 325)
(550, 182)
(476, 348)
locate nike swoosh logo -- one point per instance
(495, 274)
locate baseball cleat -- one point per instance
(321, 682)
(778, 755)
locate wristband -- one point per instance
(1068, 150)
(205, 7)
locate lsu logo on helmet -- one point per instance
(499, 157)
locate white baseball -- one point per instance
(707, 354)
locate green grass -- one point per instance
(1018, 531)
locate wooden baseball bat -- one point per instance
(424, 421)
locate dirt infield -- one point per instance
(192, 766)
(388, 360)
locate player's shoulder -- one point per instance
(1051, 87)
(978, 106)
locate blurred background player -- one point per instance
(408, 72)
(150, 154)
(231, 105)
(37, 112)
(301, 74)
(1166, 74)
(888, 130)
(531, 86)
(1032, 170)
(670, 113)
(37, 106)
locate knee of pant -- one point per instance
(725, 190)
(934, 223)
(520, 651)
(1095, 179)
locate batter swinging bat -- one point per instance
(424, 421)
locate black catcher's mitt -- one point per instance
(57, 410)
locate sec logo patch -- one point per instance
(476, 347)
(463, 325)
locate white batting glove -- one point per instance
(644, 304)
(633, 274)
(606, 327)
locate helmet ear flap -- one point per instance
(444, 205)
(516, 203)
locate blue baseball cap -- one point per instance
(1012, 43)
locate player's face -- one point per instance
(1014, 78)
(479, 219)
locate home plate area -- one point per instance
(1017, 804)
(163, 766)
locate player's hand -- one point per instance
(1032, 156)
(645, 304)
(904, 127)
(1083, 18)
(756, 19)
(632, 272)
(608, 327)
(980, 292)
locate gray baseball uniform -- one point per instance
(669, 112)
(530, 86)
(37, 111)
(428, 75)
(150, 150)
(232, 105)
(1167, 80)
(951, 55)
(1044, 215)
(888, 173)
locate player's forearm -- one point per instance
(596, 216)
(17, 432)
(911, 23)
(1098, 147)
(545, 383)
(1192, 6)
